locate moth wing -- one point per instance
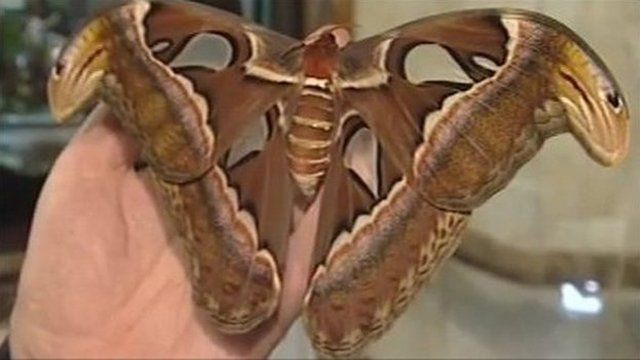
(235, 222)
(444, 147)
(181, 78)
(181, 74)
(529, 78)
(377, 243)
(243, 247)
(225, 79)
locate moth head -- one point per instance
(335, 34)
(75, 79)
(596, 111)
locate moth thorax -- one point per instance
(320, 60)
(309, 139)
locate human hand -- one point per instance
(102, 277)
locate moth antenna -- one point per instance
(291, 49)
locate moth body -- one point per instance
(309, 138)
(310, 134)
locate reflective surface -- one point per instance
(465, 313)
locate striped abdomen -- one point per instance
(309, 138)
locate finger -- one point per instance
(101, 145)
(299, 257)
(295, 280)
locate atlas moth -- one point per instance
(252, 128)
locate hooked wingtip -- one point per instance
(606, 139)
(75, 78)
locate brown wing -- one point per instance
(444, 148)
(181, 78)
(530, 78)
(235, 222)
(178, 73)
(377, 242)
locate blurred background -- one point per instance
(549, 268)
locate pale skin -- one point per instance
(103, 277)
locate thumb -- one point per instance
(101, 145)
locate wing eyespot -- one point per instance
(486, 63)
(614, 100)
(59, 67)
(431, 62)
(361, 157)
(251, 143)
(160, 46)
(208, 50)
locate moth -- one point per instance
(252, 131)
